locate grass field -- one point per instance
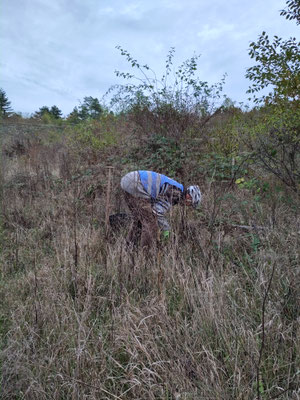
(213, 314)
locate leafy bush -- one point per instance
(170, 105)
(223, 135)
(278, 66)
(276, 138)
(158, 153)
(220, 167)
(165, 155)
(93, 134)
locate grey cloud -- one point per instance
(60, 50)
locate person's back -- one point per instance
(156, 184)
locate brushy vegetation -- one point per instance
(213, 315)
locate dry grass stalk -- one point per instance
(85, 319)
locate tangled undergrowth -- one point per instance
(214, 314)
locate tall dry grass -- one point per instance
(213, 315)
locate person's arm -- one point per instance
(168, 196)
(160, 208)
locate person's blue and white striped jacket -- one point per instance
(162, 191)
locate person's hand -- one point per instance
(188, 200)
(165, 235)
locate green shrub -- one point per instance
(274, 139)
(93, 134)
(168, 106)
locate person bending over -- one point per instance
(149, 196)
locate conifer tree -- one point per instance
(5, 108)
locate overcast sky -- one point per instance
(56, 52)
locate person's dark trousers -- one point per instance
(144, 225)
